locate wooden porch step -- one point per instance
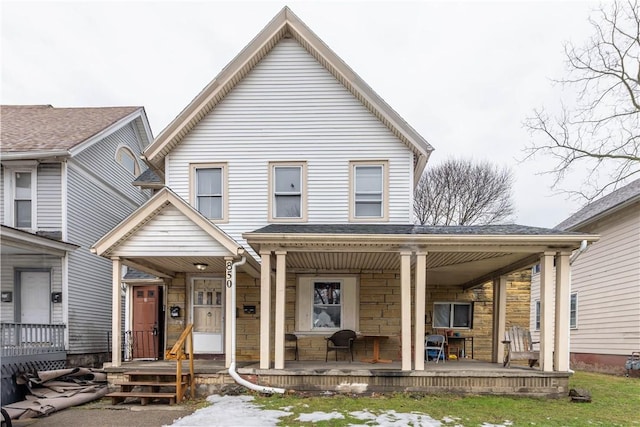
(154, 385)
(145, 397)
(162, 373)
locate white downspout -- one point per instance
(232, 366)
(581, 249)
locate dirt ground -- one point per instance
(101, 413)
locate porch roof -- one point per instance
(464, 256)
(15, 241)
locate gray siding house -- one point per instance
(605, 282)
(65, 180)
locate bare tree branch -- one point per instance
(460, 192)
(600, 132)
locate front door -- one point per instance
(145, 333)
(208, 321)
(35, 297)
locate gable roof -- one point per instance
(606, 205)
(152, 208)
(43, 130)
(285, 24)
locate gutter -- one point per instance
(232, 367)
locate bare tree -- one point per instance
(599, 133)
(461, 192)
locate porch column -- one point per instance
(546, 311)
(563, 297)
(281, 301)
(116, 312)
(229, 311)
(421, 295)
(265, 309)
(405, 309)
(499, 317)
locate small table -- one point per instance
(464, 343)
(376, 348)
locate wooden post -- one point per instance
(546, 311)
(405, 309)
(116, 313)
(281, 300)
(265, 310)
(420, 303)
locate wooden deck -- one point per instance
(460, 377)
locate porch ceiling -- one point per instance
(169, 266)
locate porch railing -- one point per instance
(22, 339)
(183, 349)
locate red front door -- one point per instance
(145, 333)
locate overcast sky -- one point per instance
(464, 74)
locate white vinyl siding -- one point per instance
(607, 280)
(2, 195)
(170, 233)
(49, 207)
(287, 109)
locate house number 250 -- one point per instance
(229, 275)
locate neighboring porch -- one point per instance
(458, 377)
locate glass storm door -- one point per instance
(208, 321)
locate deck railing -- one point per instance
(21, 339)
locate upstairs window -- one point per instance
(20, 194)
(209, 183)
(22, 200)
(368, 191)
(127, 159)
(287, 200)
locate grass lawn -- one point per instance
(615, 402)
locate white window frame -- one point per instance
(573, 314)
(124, 150)
(349, 299)
(384, 190)
(194, 167)
(272, 205)
(536, 315)
(10, 170)
(452, 304)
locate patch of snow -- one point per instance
(320, 416)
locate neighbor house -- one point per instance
(605, 282)
(65, 181)
(287, 209)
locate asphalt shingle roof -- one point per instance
(26, 128)
(148, 177)
(507, 229)
(622, 195)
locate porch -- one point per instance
(464, 377)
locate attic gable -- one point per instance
(285, 25)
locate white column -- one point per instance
(546, 311)
(563, 302)
(116, 312)
(265, 309)
(281, 301)
(405, 309)
(421, 296)
(230, 310)
(499, 317)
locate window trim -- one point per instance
(124, 149)
(469, 304)
(10, 170)
(574, 324)
(349, 293)
(536, 315)
(353, 165)
(193, 167)
(271, 204)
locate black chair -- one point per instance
(341, 340)
(291, 343)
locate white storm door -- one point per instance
(35, 297)
(207, 309)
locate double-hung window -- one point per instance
(326, 303)
(209, 183)
(368, 193)
(573, 311)
(537, 315)
(453, 315)
(287, 200)
(20, 193)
